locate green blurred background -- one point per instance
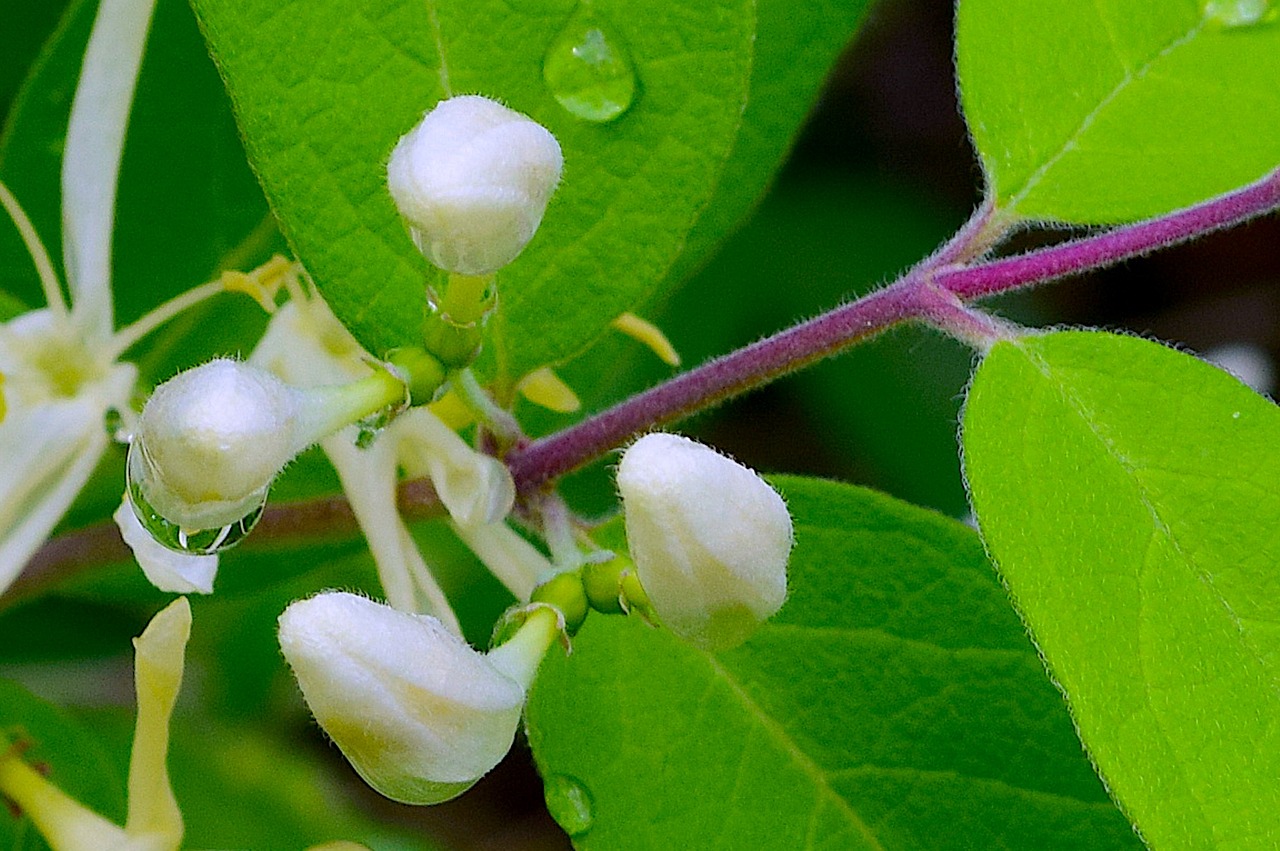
(882, 173)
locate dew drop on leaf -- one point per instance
(569, 803)
(174, 536)
(588, 70)
(1238, 13)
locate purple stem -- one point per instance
(1104, 249)
(551, 457)
(931, 292)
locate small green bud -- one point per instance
(565, 592)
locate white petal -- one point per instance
(49, 452)
(307, 346)
(475, 488)
(369, 480)
(91, 158)
(515, 562)
(169, 571)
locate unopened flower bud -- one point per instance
(418, 712)
(709, 537)
(473, 180)
(211, 439)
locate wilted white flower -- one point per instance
(420, 714)
(61, 364)
(472, 180)
(710, 539)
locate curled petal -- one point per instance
(166, 569)
(476, 488)
(158, 661)
(369, 480)
(91, 159)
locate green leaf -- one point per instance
(324, 90)
(893, 703)
(796, 45)
(1116, 110)
(69, 754)
(1128, 493)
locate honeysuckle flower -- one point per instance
(154, 822)
(710, 539)
(306, 346)
(419, 713)
(472, 181)
(61, 364)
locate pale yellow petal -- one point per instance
(650, 335)
(543, 387)
(159, 657)
(65, 823)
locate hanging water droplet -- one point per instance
(1238, 13)
(172, 535)
(569, 803)
(588, 70)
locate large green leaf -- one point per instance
(324, 89)
(1114, 110)
(1129, 494)
(894, 703)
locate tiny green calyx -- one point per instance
(566, 593)
(421, 372)
(457, 313)
(613, 588)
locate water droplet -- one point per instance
(172, 535)
(1238, 13)
(569, 803)
(588, 70)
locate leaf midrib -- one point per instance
(1128, 77)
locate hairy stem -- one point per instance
(915, 296)
(713, 382)
(1110, 247)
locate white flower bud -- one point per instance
(710, 539)
(473, 180)
(211, 440)
(418, 712)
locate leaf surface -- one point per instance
(324, 89)
(1128, 493)
(796, 46)
(65, 750)
(1114, 110)
(893, 703)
